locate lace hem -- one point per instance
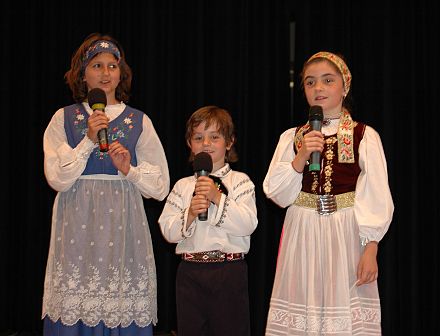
(115, 299)
(55, 319)
(284, 317)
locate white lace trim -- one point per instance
(357, 319)
(125, 299)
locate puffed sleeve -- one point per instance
(174, 215)
(63, 165)
(237, 213)
(151, 174)
(373, 202)
(282, 183)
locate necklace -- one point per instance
(327, 121)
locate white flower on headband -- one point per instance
(104, 44)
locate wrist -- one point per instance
(298, 165)
(125, 170)
(217, 198)
(372, 247)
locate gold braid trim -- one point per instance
(345, 137)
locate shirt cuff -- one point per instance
(67, 155)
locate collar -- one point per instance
(223, 171)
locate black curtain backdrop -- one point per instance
(235, 54)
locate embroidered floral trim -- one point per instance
(246, 192)
(345, 138)
(317, 324)
(125, 298)
(174, 204)
(182, 218)
(171, 202)
(80, 122)
(224, 211)
(327, 169)
(173, 191)
(328, 166)
(120, 131)
(241, 183)
(299, 136)
(225, 170)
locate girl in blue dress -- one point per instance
(101, 276)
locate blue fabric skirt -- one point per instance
(80, 329)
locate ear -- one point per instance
(188, 143)
(229, 145)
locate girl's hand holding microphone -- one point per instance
(313, 141)
(97, 121)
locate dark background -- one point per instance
(235, 54)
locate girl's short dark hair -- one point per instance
(75, 75)
(218, 116)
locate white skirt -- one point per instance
(101, 263)
(314, 290)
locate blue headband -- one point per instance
(99, 47)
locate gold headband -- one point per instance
(340, 64)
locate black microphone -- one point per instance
(315, 120)
(202, 166)
(97, 101)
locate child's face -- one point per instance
(323, 86)
(210, 141)
(103, 72)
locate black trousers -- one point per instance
(212, 299)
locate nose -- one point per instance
(319, 86)
(105, 70)
(206, 141)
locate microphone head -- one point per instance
(202, 161)
(315, 113)
(97, 99)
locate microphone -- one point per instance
(315, 120)
(202, 166)
(97, 101)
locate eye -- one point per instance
(113, 66)
(197, 138)
(96, 65)
(309, 82)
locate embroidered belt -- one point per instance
(325, 204)
(212, 256)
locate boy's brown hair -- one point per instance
(218, 116)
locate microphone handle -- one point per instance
(315, 157)
(315, 161)
(204, 215)
(103, 139)
(102, 135)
